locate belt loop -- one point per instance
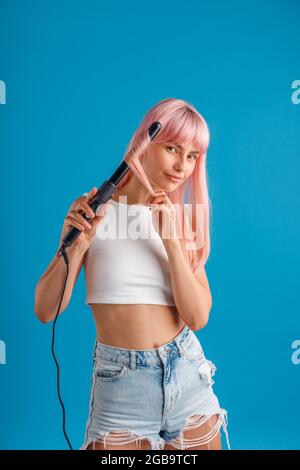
(95, 352)
(132, 359)
(184, 333)
(177, 341)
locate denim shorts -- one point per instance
(153, 394)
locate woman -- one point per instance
(148, 291)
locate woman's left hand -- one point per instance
(163, 216)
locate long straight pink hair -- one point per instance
(181, 122)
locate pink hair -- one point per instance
(180, 123)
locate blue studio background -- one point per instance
(79, 76)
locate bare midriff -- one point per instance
(136, 326)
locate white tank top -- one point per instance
(126, 262)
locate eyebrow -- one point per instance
(180, 146)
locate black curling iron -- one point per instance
(103, 194)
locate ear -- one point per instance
(145, 155)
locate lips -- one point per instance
(176, 179)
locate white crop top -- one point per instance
(126, 262)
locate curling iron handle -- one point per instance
(103, 194)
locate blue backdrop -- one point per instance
(76, 79)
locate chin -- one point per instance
(171, 186)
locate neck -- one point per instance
(135, 191)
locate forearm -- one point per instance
(49, 289)
(192, 299)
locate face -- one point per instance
(170, 158)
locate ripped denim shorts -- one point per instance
(153, 394)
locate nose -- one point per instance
(179, 169)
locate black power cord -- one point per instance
(65, 256)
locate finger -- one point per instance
(80, 218)
(160, 193)
(157, 201)
(91, 194)
(151, 198)
(87, 209)
(161, 208)
(73, 223)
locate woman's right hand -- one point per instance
(75, 219)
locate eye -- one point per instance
(171, 147)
